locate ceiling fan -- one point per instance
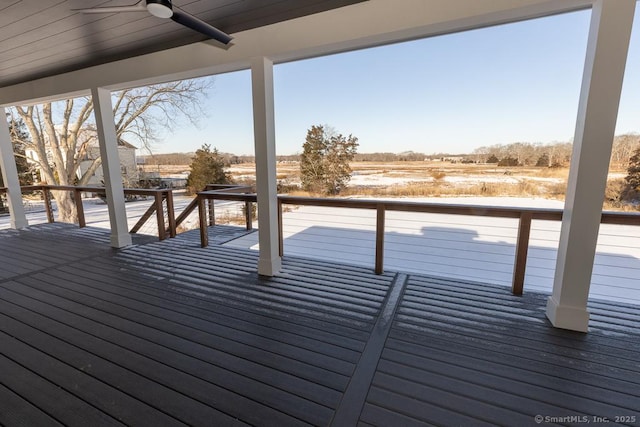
(164, 9)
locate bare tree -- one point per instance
(623, 149)
(528, 154)
(482, 154)
(559, 153)
(62, 133)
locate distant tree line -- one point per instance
(167, 159)
(186, 158)
(407, 156)
(525, 154)
(557, 154)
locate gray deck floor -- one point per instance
(168, 333)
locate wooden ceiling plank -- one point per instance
(20, 15)
(58, 39)
(67, 56)
(76, 42)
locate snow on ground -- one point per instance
(382, 179)
(96, 214)
(471, 248)
(378, 180)
(523, 202)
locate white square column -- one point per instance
(269, 262)
(609, 34)
(10, 175)
(108, 140)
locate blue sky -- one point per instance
(453, 93)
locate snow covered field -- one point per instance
(470, 248)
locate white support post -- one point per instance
(269, 262)
(10, 175)
(609, 34)
(107, 138)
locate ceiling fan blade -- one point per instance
(190, 21)
(138, 7)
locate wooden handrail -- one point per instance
(219, 188)
(226, 192)
(524, 216)
(243, 194)
(159, 196)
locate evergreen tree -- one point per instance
(312, 160)
(207, 167)
(633, 172)
(324, 163)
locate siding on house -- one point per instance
(126, 153)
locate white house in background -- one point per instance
(126, 153)
(128, 165)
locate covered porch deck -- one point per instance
(168, 333)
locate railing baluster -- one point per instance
(212, 212)
(239, 193)
(280, 232)
(202, 215)
(160, 215)
(171, 214)
(248, 214)
(77, 196)
(380, 211)
(522, 248)
(46, 196)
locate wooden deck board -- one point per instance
(168, 333)
(18, 412)
(161, 387)
(479, 352)
(48, 397)
(100, 278)
(208, 347)
(62, 391)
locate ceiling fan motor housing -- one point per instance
(160, 8)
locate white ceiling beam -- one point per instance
(358, 26)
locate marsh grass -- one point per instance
(438, 179)
(522, 188)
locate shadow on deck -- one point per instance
(167, 333)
